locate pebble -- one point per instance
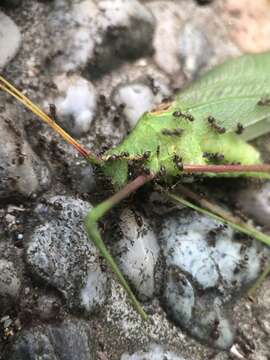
(60, 254)
(70, 340)
(10, 285)
(99, 35)
(169, 19)
(76, 106)
(138, 252)
(10, 39)
(207, 268)
(155, 352)
(83, 177)
(137, 98)
(21, 171)
(48, 307)
(250, 29)
(254, 201)
(188, 29)
(194, 49)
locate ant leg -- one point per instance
(92, 230)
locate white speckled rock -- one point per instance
(69, 340)
(10, 39)
(206, 269)
(21, 171)
(76, 104)
(99, 34)
(138, 252)
(138, 98)
(169, 19)
(155, 352)
(173, 21)
(194, 49)
(255, 202)
(10, 284)
(60, 253)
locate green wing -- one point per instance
(230, 93)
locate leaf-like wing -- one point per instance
(230, 93)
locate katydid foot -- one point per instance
(91, 223)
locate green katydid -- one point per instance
(203, 131)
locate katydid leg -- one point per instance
(259, 281)
(91, 223)
(226, 168)
(215, 211)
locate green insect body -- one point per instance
(204, 130)
(233, 94)
(195, 140)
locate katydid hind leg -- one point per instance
(217, 212)
(91, 224)
(258, 282)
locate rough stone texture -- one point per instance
(138, 252)
(60, 253)
(21, 171)
(195, 49)
(254, 201)
(76, 105)
(249, 23)
(71, 340)
(10, 39)
(137, 98)
(99, 34)
(112, 119)
(252, 319)
(12, 280)
(10, 284)
(206, 269)
(155, 352)
(118, 328)
(173, 20)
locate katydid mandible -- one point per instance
(203, 131)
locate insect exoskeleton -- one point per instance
(213, 123)
(172, 132)
(178, 162)
(187, 116)
(213, 157)
(53, 111)
(146, 155)
(122, 155)
(239, 129)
